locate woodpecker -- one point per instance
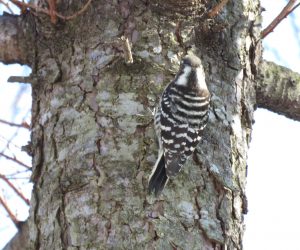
(179, 121)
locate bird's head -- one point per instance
(191, 73)
(192, 61)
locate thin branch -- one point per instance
(84, 8)
(21, 79)
(10, 213)
(15, 160)
(22, 5)
(51, 11)
(22, 125)
(19, 178)
(215, 10)
(7, 6)
(15, 189)
(295, 7)
(283, 14)
(9, 143)
(12, 176)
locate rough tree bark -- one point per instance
(279, 91)
(92, 135)
(11, 37)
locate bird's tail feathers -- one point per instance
(158, 178)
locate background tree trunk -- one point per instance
(92, 133)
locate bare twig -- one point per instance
(15, 189)
(18, 178)
(12, 176)
(15, 160)
(7, 6)
(84, 8)
(10, 213)
(23, 125)
(283, 14)
(51, 11)
(9, 143)
(23, 5)
(126, 49)
(215, 10)
(21, 79)
(295, 7)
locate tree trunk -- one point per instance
(92, 126)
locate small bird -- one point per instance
(179, 121)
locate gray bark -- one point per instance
(93, 139)
(15, 39)
(20, 240)
(279, 90)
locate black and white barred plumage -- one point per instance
(179, 121)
